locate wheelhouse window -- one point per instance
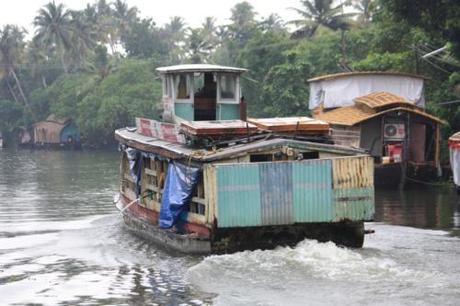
(183, 87)
(166, 87)
(227, 87)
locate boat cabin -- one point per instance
(381, 112)
(57, 133)
(201, 92)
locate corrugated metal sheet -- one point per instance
(322, 190)
(276, 193)
(354, 203)
(238, 195)
(353, 181)
(312, 186)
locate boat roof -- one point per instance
(455, 137)
(381, 99)
(291, 124)
(352, 115)
(199, 68)
(171, 150)
(363, 73)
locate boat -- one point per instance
(383, 113)
(207, 179)
(454, 153)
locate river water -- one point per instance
(62, 242)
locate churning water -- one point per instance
(62, 242)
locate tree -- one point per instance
(54, 29)
(318, 13)
(11, 48)
(438, 18)
(198, 46)
(82, 38)
(365, 10)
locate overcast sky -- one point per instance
(22, 12)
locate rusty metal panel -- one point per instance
(238, 195)
(312, 191)
(276, 193)
(354, 204)
(353, 181)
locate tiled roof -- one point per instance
(347, 115)
(382, 98)
(351, 115)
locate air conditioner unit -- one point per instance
(394, 131)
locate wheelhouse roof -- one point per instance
(199, 68)
(361, 73)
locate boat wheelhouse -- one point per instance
(454, 154)
(209, 180)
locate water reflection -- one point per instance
(436, 208)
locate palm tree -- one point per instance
(175, 34)
(54, 28)
(124, 15)
(83, 38)
(11, 48)
(198, 46)
(210, 29)
(365, 9)
(318, 13)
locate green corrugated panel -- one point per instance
(354, 203)
(238, 195)
(312, 191)
(227, 111)
(184, 110)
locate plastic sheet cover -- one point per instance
(179, 184)
(341, 91)
(455, 164)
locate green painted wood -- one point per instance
(354, 204)
(184, 111)
(227, 111)
(238, 195)
(312, 191)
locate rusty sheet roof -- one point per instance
(351, 115)
(290, 124)
(218, 127)
(354, 73)
(171, 150)
(381, 99)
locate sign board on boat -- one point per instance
(160, 130)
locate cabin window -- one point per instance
(183, 87)
(227, 87)
(308, 155)
(166, 87)
(256, 158)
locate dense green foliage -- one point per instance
(98, 65)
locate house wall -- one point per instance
(346, 135)
(47, 132)
(371, 136)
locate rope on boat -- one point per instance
(134, 201)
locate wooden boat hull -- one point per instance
(228, 240)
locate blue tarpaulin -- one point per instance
(179, 184)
